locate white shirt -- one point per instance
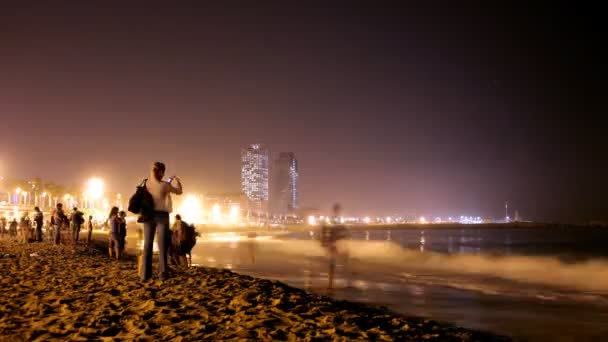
(161, 193)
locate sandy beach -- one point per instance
(65, 293)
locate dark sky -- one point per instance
(437, 111)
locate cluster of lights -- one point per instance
(193, 211)
(316, 220)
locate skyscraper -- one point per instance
(285, 184)
(254, 175)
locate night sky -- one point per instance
(436, 111)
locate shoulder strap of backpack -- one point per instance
(143, 183)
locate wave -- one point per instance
(589, 275)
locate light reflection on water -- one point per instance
(458, 284)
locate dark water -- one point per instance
(533, 284)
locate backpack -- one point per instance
(189, 237)
(78, 218)
(142, 202)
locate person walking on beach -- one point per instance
(38, 219)
(114, 236)
(90, 232)
(77, 221)
(330, 234)
(161, 191)
(58, 219)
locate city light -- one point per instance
(312, 220)
(216, 214)
(234, 213)
(367, 220)
(191, 209)
(95, 187)
(422, 219)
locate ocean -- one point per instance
(534, 284)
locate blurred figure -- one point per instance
(24, 229)
(161, 191)
(90, 232)
(13, 228)
(252, 245)
(330, 234)
(2, 226)
(58, 220)
(122, 232)
(77, 219)
(114, 236)
(39, 221)
(183, 240)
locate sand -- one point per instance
(64, 293)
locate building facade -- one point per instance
(254, 176)
(284, 196)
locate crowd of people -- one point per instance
(174, 242)
(34, 228)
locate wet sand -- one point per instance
(63, 293)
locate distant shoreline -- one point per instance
(401, 226)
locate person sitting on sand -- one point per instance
(114, 236)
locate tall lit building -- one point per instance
(254, 175)
(285, 184)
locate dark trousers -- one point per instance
(76, 232)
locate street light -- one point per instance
(95, 189)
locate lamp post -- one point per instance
(95, 189)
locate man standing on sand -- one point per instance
(77, 221)
(90, 232)
(58, 219)
(38, 219)
(161, 191)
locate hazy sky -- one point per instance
(437, 111)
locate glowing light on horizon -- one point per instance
(216, 214)
(191, 209)
(367, 220)
(95, 188)
(235, 212)
(422, 219)
(312, 220)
